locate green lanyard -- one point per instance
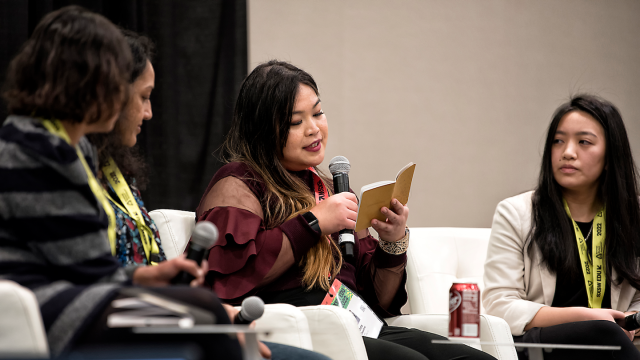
(55, 127)
(113, 174)
(594, 273)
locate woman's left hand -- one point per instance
(164, 272)
(393, 228)
(265, 352)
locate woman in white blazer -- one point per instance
(562, 260)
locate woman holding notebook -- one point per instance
(562, 262)
(279, 236)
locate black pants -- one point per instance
(99, 338)
(594, 332)
(410, 344)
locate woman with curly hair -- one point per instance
(57, 227)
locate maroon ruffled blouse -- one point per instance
(246, 251)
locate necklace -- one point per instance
(585, 239)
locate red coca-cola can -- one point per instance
(464, 310)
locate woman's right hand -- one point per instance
(602, 314)
(549, 316)
(610, 315)
(336, 213)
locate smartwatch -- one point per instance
(312, 220)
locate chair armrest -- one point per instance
(492, 329)
(175, 228)
(433, 323)
(285, 324)
(22, 332)
(334, 332)
(495, 329)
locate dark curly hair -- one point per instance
(75, 67)
(130, 162)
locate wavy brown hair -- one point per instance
(75, 67)
(257, 137)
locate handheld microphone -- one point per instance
(204, 236)
(252, 309)
(630, 322)
(339, 168)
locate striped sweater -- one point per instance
(53, 232)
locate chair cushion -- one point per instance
(335, 332)
(285, 324)
(438, 257)
(22, 332)
(175, 228)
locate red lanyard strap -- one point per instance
(320, 189)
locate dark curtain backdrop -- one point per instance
(201, 60)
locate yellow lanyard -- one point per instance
(111, 171)
(599, 276)
(56, 128)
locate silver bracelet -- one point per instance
(395, 247)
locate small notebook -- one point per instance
(374, 196)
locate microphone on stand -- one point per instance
(204, 236)
(251, 310)
(339, 168)
(630, 322)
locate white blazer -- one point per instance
(516, 286)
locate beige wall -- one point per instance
(465, 89)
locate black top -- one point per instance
(573, 292)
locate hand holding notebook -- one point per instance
(379, 194)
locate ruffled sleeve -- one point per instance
(244, 253)
(247, 251)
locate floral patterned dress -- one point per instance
(129, 249)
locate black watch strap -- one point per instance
(312, 220)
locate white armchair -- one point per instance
(334, 330)
(22, 332)
(175, 228)
(437, 258)
(326, 329)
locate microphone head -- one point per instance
(252, 308)
(204, 235)
(632, 322)
(339, 164)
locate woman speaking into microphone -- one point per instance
(276, 233)
(122, 172)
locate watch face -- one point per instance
(312, 221)
(309, 217)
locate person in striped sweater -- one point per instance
(56, 226)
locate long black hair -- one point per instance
(130, 162)
(552, 230)
(257, 137)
